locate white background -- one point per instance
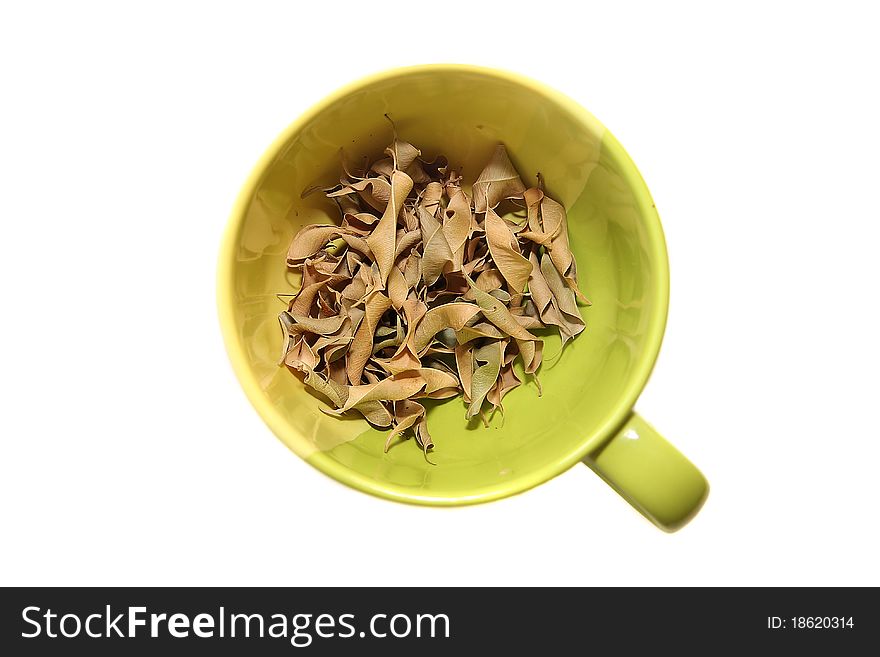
(131, 456)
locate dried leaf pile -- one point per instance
(425, 291)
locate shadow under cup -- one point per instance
(461, 112)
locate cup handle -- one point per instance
(651, 474)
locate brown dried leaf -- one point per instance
(402, 153)
(450, 315)
(324, 326)
(457, 222)
(507, 381)
(438, 381)
(374, 191)
(300, 354)
(302, 303)
(397, 288)
(362, 346)
(384, 167)
(394, 388)
(422, 435)
(498, 181)
(506, 254)
(484, 375)
(554, 220)
(412, 271)
(406, 414)
(360, 223)
(464, 363)
(436, 255)
(309, 240)
(571, 322)
(358, 244)
(382, 239)
(375, 413)
(406, 241)
(495, 311)
(336, 393)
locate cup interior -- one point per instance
(461, 112)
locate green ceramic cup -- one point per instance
(585, 414)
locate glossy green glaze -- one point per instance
(462, 112)
(651, 474)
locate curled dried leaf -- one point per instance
(394, 388)
(318, 326)
(406, 414)
(309, 241)
(464, 363)
(375, 413)
(498, 181)
(402, 153)
(484, 376)
(497, 313)
(375, 191)
(436, 255)
(382, 241)
(563, 299)
(505, 252)
(450, 315)
(362, 346)
(457, 224)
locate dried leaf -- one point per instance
(498, 314)
(563, 299)
(398, 289)
(412, 271)
(457, 225)
(403, 153)
(484, 375)
(406, 414)
(375, 413)
(302, 303)
(361, 223)
(309, 241)
(541, 294)
(336, 393)
(553, 214)
(431, 197)
(382, 239)
(477, 331)
(300, 354)
(375, 191)
(532, 353)
(286, 322)
(464, 363)
(489, 279)
(450, 315)
(505, 252)
(362, 346)
(437, 381)
(436, 255)
(507, 381)
(384, 167)
(408, 241)
(498, 181)
(423, 436)
(543, 228)
(417, 172)
(323, 326)
(394, 388)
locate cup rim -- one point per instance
(623, 408)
